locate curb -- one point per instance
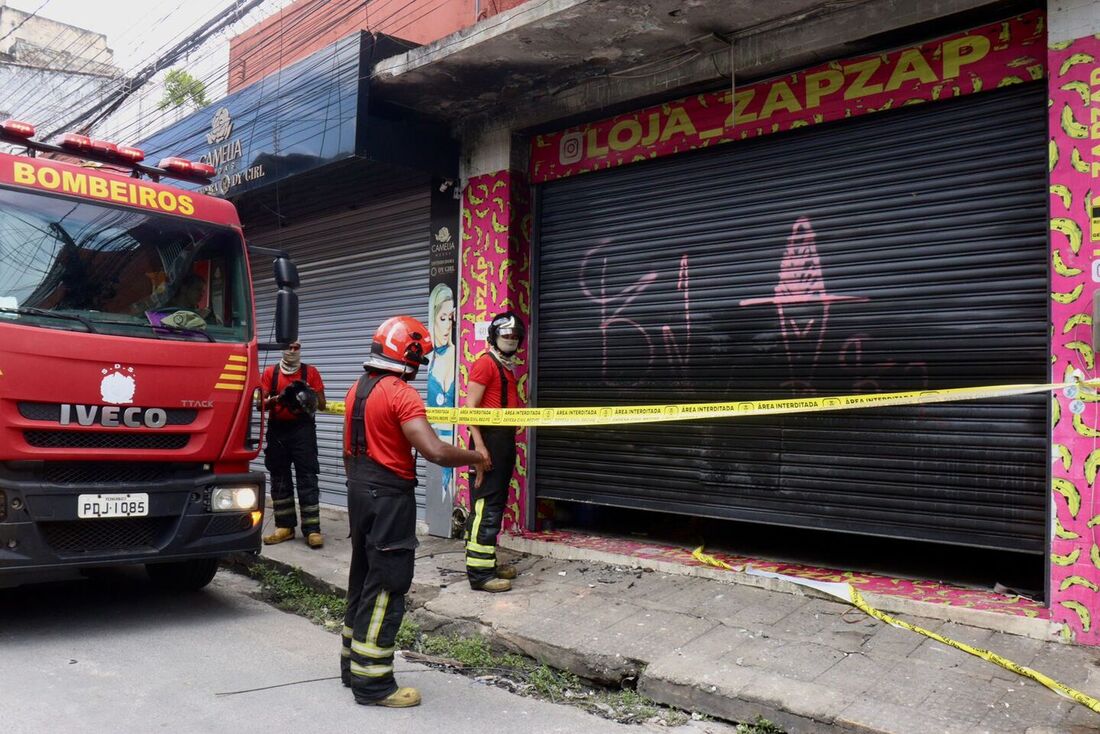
(611, 671)
(726, 691)
(1038, 629)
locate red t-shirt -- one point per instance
(392, 403)
(486, 371)
(313, 379)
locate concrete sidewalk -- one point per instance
(736, 651)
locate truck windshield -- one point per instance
(78, 266)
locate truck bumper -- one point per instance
(40, 527)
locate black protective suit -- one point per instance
(382, 512)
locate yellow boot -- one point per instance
(402, 698)
(493, 586)
(281, 535)
(506, 571)
(315, 540)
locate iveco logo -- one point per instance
(112, 416)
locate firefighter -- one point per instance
(493, 385)
(294, 392)
(384, 421)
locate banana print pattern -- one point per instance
(1067, 489)
(1075, 553)
(1068, 227)
(1084, 617)
(494, 276)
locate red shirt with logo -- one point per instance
(486, 371)
(312, 378)
(392, 403)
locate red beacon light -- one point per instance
(130, 154)
(17, 129)
(76, 143)
(176, 165)
(184, 167)
(104, 148)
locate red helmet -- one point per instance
(400, 345)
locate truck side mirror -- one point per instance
(286, 316)
(286, 273)
(286, 300)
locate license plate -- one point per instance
(112, 505)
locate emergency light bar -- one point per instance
(15, 129)
(186, 167)
(103, 151)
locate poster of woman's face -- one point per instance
(441, 372)
(443, 316)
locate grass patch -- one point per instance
(288, 591)
(760, 726)
(528, 677)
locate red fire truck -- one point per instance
(128, 365)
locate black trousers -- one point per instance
(383, 532)
(487, 505)
(293, 444)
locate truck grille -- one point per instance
(105, 440)
(114, 472)
(52, 412)
(97, 536)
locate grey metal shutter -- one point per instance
(358, 267)
(663, 282)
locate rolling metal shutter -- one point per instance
(358, 267)
(905, 251)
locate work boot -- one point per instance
(493, 586)
(402, 698)
(281, 535)
(506, 571)
(315, 540)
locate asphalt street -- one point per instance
(113, 654)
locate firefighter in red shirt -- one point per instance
(384, 421)
(294, 392)
(493, 385)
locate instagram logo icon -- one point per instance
(571, 148)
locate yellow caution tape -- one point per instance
(620, 415)
(710, 560)
(1059, 688)
(848, 593)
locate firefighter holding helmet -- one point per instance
(385, 420)
(493, 385)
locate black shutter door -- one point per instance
(905, 251)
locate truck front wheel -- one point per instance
(183, 575)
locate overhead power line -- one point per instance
(392, 16)
(36, 97)
(91, 116)
(297, 27)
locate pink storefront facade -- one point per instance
(500, 221)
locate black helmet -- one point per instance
(299, 398)
(508, 325)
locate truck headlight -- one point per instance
(233, 499)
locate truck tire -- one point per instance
(183, 575)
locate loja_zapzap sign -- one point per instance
(997, 55)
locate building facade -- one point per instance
(692, 204)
